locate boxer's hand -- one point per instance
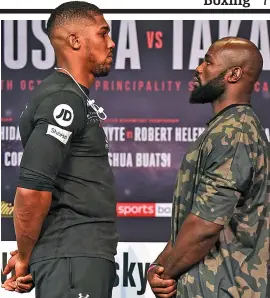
(10, 284)
(21, 281)
(24, 284)
(162, 288)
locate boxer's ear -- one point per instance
(234, 75)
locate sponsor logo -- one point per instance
(61, 134)
(136, 209)
(6, 209)
(144, 209)
(132, 274)
(163, 210)
(91, 116)
(63, 115)
(243, 3)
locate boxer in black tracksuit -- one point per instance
(65, 205)
(66, 152)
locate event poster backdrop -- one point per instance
(150, 121)
(149, 127)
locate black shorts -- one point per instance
(78, 277)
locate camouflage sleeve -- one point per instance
(227, 174)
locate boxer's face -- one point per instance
(209, 81)
(97, 47)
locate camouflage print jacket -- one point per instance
(224, 178)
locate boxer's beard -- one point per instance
(209, 92)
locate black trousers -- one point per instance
(78, 277)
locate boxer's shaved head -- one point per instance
(239, 52)
(232, 64)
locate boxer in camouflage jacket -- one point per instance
(227, 165)
(219, 246)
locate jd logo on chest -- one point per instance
(63, 115)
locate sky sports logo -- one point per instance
(144, 209)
